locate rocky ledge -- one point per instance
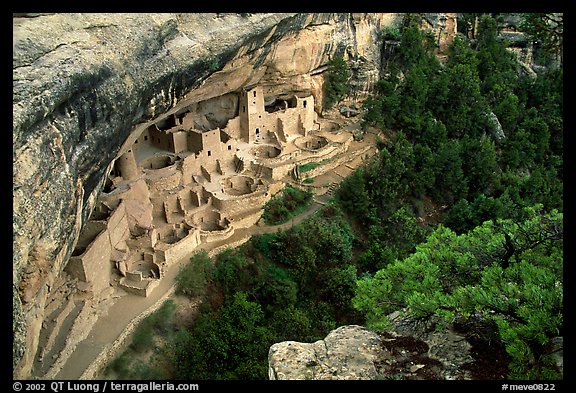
(353, 352)
(409, 350)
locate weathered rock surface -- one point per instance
(352, 352)
(348, 352)
(84, 84)
(451, 349)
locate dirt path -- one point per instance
(109, 332)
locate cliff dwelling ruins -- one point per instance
(195, 177)
(233, 111)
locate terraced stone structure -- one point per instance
(194, 178)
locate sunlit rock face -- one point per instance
(84, 84)
(347, 353)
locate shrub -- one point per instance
(291, 202)
(193, 278)
(336, 82)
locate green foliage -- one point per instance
(235, 272)
(507, 109)
(159, 321)
(232, 346)
(336, 285)
(545, 29)
(529, 143)
(497, 66)
(479, 164)
(336, 81)
(386, 192)
(509, 273)
(414, 92)
(291, 285)
(466, 102)
(279, 290)
(291, 202)
(450, 184)
(452, 160)
(213, 63)
(293, 324)
(546, 94)
(381, 111)
(424, 174)
(325, 238)
(120, 365)
(308, 167)
(416, 46)
(466, 23)
(354, 198)
(128, 367)
(194, 277)
(323, 315)
(262, 243)
(443, 113)
(464, 216)
(390, 33)
(460, 52)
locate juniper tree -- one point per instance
(507, 272)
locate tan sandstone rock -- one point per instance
(348, 352)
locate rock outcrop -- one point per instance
(348, 352)
(408, 351)
(84, 84)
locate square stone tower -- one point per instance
(252, 116)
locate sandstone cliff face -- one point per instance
(84, 84)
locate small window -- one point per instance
(145, 137)
(136, 141)
(209, 153)
(243, 109)
(254, 93)
(257, 131)
(304, 103)
(229, 147)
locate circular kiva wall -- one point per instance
(311, 142)
(238, 185)
(209, 220)
(265, 151)
(158, 161)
